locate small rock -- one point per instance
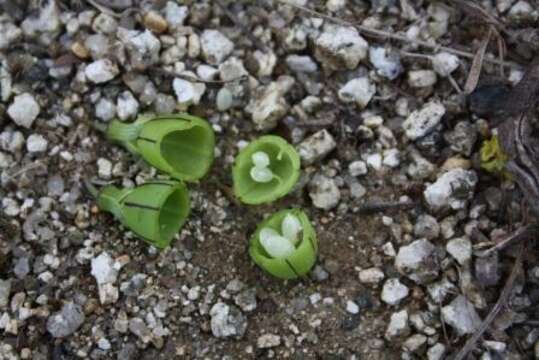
(268, 341)
(461, 315)
(421, 78)
(105, 109)
(421, 122)
(187, 92)
(357, 191)
(269, 105)
(371, 276)
(301, 63)
(24, 110)
(104, 168)
(128, 352)
(105, 272)
(246, 300)
(487, 270)
(21, 269)
(462, 138)
(418, 261)
(5, 289)
(444, 63)
(320, 274)
(374, 161)
(414, 343)
(352, 307)
(142, 46)
(460, 249)
(104, 23)
(103, 344)
(436, 352)
(139, 328)
(451, 190)
(357, 168)
(398, 325)
(155, 22)
(394, 292)
(386, 62)
(227, 320)
(127, 105)
(316, 147)
(175, 14)
(215, 46)
(67, 321)
(324, 192)
(224, 99)
(438, 291)
(391, 158)
(427, 227)
(359, 90)
(36, 143)
(340, 48)
(101, 71)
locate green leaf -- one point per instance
(284, 164)
(493, 159)
(180, 145)
(155, 211)
(300, 261)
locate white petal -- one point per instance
(260, 159)
(266, 233)
(277, 247)
(290, 227)
(261, 174)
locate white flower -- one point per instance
(281, 246)
(260, 172)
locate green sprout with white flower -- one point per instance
(285, 244)
(265, 170)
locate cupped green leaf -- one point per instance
(180, 145)
(284, 163)
(300, 261)
(155, 211)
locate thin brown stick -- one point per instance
(522, 233)
(394, 36)
(477, 65)
(195, 78)
(502, 300)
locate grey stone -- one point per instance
(487, 270)
(386, 62)
(421, 122)
(187, 92)
(427, 227)
(227, 320)
(316, 147)
(139, 328)
(324, 192)
(21, 268)
(462, 138)
(418, 261)
(5, 289)
(394, 292)
(398, 325)
(224, 99)
(451, 190)
(215, 46)
(414, 343)
(460, 249)
(340, 48)
(444, 63)
(460, 314)
(105, 109)
(101, 71)
(359, 91)
(301, 63)
(421, 78)
(268, 341)
(66, 321)
(175, 14)
(436, 352)
(246, 300)
(269, 105)
(24, 110)
(143, 47)
(127, 106)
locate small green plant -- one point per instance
(180, 145)
(265, 170)
(155, 211)
(493, 159)
(285, 244)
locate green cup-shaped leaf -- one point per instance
(180, 145)
(300, 261)
(284, 164)
(155, 211)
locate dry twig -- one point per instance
(502, 300)
(477, 65)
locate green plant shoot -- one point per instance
(493, 159)
(155, 211)
(265, 170)
(180, 145)
(285, 244)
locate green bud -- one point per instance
(265, 170)
(180, 145)
(296, 263)
(155, 211)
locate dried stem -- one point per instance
(402, 38)
(502, 300)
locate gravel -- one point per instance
(394, 292)
(316, 147)
(24, 110)
(460, 314)
(66, 321)
(227, 320)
